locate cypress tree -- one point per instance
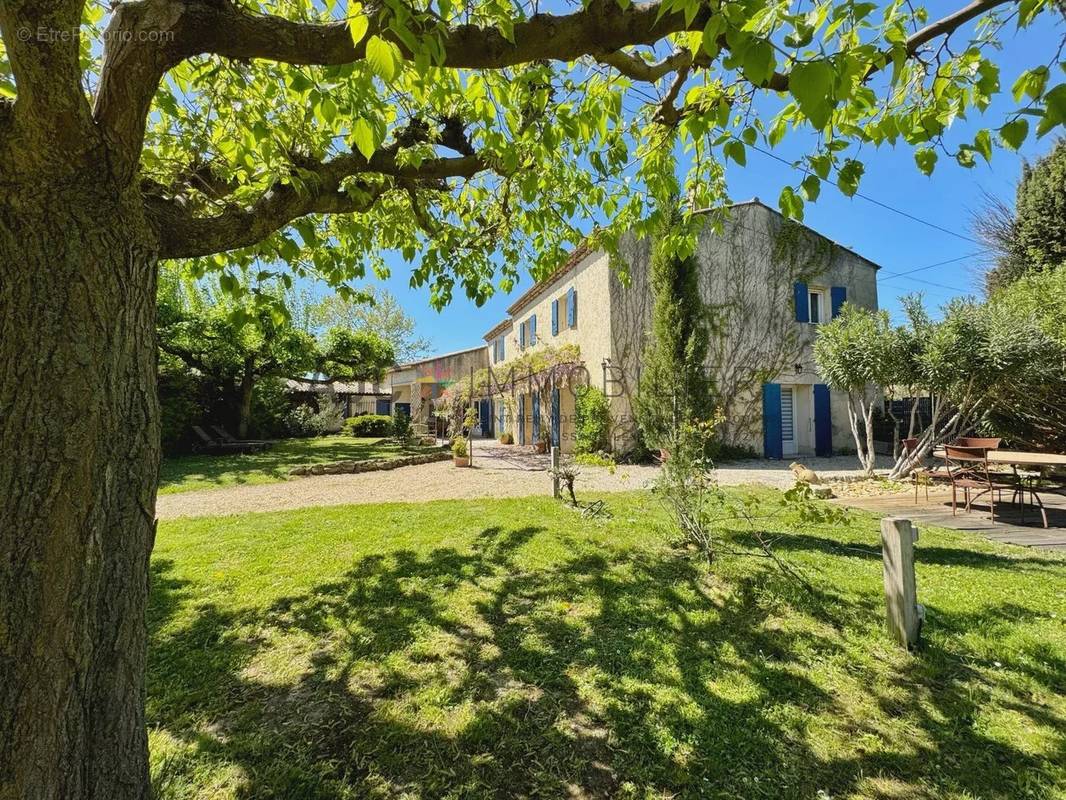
(674, 384)
(1033, 238)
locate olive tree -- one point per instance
(469, 137)
(988, 367)
(860, 353)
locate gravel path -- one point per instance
(498, 471)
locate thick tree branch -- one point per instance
(149, 37)
(633, 66)
(50, 119)
(779, 82)
(182, 234)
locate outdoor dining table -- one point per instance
(1022, 458)
(1018, 458)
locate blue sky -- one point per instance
(945, 199)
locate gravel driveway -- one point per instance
(498, 471)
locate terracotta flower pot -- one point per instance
(461, 461)
(541, 447)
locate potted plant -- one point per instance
(544, 442)
(506, 438)
(460, 453)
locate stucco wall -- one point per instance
(749, 263)
(424, 381)
(589, 279)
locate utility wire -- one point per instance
(930, 266)
(869, 199)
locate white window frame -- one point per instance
(816, 299)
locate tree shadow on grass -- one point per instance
(606, 673)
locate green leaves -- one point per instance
(812, 187)
(358, 22)
(383, 57)
(362, 137)
(791, 204)
(849, 176)
(758, 62)
(1054, 110)
(735, 150)
(982, 143)
(1014, 133)
(1031, 83)
(925, 158)
(811, 83)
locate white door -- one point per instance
(788, 421)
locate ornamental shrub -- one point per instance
(368, 426)
(593, 427)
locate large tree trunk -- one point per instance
(79, 439)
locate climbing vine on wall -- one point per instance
(749, 262)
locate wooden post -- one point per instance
(556, 493)
(471, 416)
(901, 595)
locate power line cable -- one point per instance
(931, 266)
(869, 199)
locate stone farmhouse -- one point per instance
(767, 282)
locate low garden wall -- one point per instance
(370, 465)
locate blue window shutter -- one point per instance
(503, 348)
(803, 301)
(771, 420)
(823, 421)
(571, 308)
(536, 417)
(522, 335)
(838, 295)
(521, 419)
(555, 317)
(532, 330)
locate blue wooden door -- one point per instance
(555, 418)
(383, 407)
(521, 419)
(536, 417)
(823, 421)
(771, 420)
(484, 413)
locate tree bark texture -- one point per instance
(79, 455)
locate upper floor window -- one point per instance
(818, 304)
(499, 349)
(816, 299)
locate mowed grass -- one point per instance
(512, 648)
(205, 471)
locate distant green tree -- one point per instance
(1031, 237)
(1030, 409)
(675, 387)
(860, 353)
(374, 310)
(238, 342)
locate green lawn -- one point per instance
(511, 648)
(185, 473)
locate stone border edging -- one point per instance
(369, 465)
